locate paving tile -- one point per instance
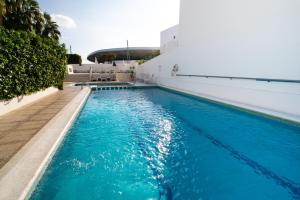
(8, 150)
(50, 111)
(31, 125)
(7, 126)
(15, 118)
(22, 137)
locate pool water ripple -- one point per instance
(154, 144)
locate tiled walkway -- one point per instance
(18, 127)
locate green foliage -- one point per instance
(140, 62)
(26, 15)
(49, 28)
(29, 63)
(2, 11)
(74, 59)
(153, 55)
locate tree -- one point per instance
(74, 59)
(2, 11)
(140, 62)
(26, 15)
(20, 14)
(50, 28)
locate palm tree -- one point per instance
(26, 15)
(21, 14)
(35, 17)
(32, 15)
(50, 28)
(2, 11)
(13, 18)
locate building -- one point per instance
(115, 63)
(120, 55)
(241, 53)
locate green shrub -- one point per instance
(29, 63)
(74, 59)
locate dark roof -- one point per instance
(136, 53)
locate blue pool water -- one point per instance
(155, 144)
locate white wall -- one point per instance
(70, 69)
(169, 39)
(258, 38)
(98, 68)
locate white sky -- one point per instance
(96, 24)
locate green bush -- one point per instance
(74, 59)
(29, 63)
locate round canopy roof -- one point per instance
(135, 53)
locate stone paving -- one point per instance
(19, 126)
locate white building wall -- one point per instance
(169, 39)
(258, 38)
(98, 68)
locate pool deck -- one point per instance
(29, 136)
(19, 126)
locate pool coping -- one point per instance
(258, 111)
(19, 176)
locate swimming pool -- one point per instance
(156, 144)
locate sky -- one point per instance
(90, 25)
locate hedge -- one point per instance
(29, 63)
